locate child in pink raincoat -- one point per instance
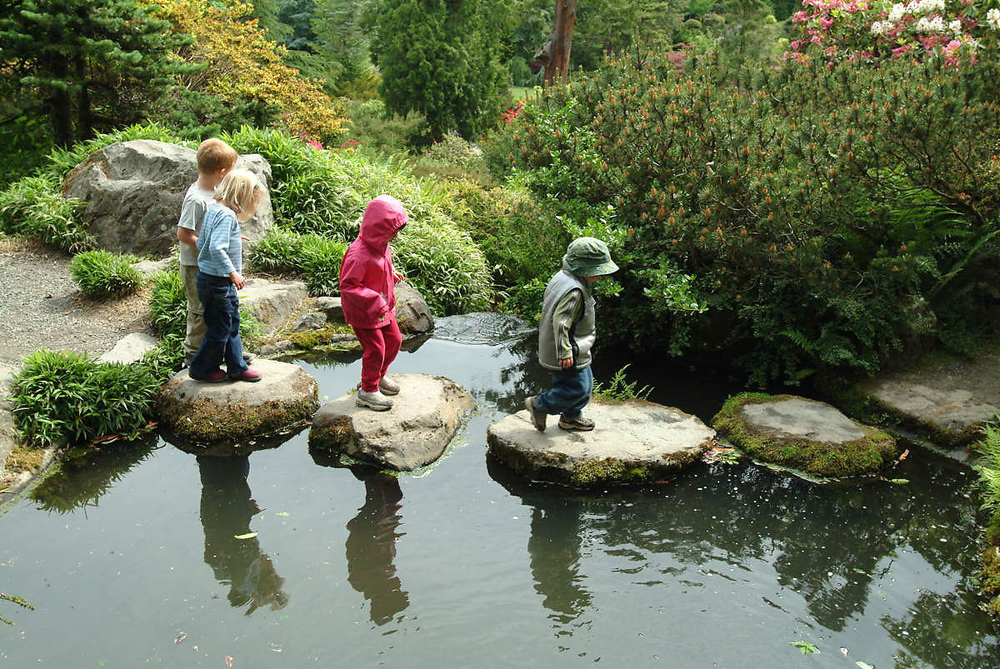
(367, 279)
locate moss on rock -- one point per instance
(866, 455)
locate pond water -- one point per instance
(131, 557)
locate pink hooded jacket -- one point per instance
(366, 274)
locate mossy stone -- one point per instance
(846, 448)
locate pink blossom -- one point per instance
(314, 144)
(826, 23)
(798, 17)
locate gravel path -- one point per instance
(41, 307)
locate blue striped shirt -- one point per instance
(220, 243)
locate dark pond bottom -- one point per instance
(132, 558)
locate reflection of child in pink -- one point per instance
(367, 279)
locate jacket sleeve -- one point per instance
(567, 312)
(352, 287)
(218, 243)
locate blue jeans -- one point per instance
(570, 392)
(222, 319)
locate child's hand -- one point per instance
(566, 363)
(237, 280)
(397, 277)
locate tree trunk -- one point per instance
(85, 119)
(60, 106)
(562, 42)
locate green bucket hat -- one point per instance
(588, 256)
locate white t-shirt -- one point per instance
(196, 202)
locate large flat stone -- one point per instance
(273, 302)
(798, 417)
(949, 415)
(634, 441)
(131, 348)
(415, 432)
(236, 410)
(803, 434)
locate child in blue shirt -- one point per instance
(220, 267)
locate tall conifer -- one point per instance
(94, 63)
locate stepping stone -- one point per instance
(949, 416)
(131, 348)
(236, 410)
(634, 441)
(803, 434)
(426, 414)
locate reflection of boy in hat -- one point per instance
(566, 335)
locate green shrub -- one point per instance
(523, 241)
(63, 395)
(791, 218)
(102, 273)
(314, 259)
(168, 305)
(371, 128)
(33, 207)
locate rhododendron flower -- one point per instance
(929, 26)
(897, 12)
(993, 18)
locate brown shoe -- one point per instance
(538, 418)
(579, 424)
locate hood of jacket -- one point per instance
(384, 216)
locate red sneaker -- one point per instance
(218, 376)
(251, 375)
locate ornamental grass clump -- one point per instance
(61, 395)
(793, 220)
(313, 258)
(34, 208)
(168, 304)
(104, 274)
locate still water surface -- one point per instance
(131, 557)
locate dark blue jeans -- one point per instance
(570, 392)
(222, 319)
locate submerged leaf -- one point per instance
(248, 535)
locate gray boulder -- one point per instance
(131, 348)
(412, 312)
(415, 432)
(332, 307)
(235, 411)
(634, 441)
(803, 434)
(273, 302)
(134, 190)
(310, 321)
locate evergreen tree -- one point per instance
(441, 58)
(267, 14)
(94, 63)
(342, 42)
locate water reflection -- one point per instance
(554, 545)
(226, 510)
(85, 474)
(371, 546)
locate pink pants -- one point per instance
(380, 346)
